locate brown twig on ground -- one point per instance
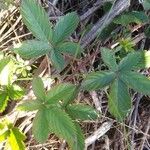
(98, 133)
(118, 7)
(96, 6)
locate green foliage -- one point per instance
(38, 88)
(119, 102)
(57, 93)
(137, 82)
(58, 121)
(5, 3)
(80, 138)
(120, 80)
(97, 80)
(36, 19)
(82, 112)
(146, 4)
(12, 137)
(3, 100)
(127, 45)
(50, 41)
(130, 62)
(70, 48)
(109, 59)
(33, 48)
(65, 27)
(55, 113)
(131, 17)
(8, 89)
(40, 126)
(30, 105)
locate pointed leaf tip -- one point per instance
(97, 80)
(119, 102)
(65, 27)
(38, 88)
(109, 59)
(36, 19)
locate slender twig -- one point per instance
(98, 133)
(118, 7)
(145, 137)
(96, 6)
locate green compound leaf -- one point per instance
(97, 80)
(62, 125)
(40, 126)
(119, 102)
(82, 112)
(57, 60)
(30, 105)
(136, 81)
(36, 19)
(38, 89)
(62, 92)
(109, 59)
(3, 101)
(71, 48)
(16, 139)
(32, 49)
(65, 27)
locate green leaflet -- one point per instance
(37, 20)
(135, 61)
(1, 126)
(131, 61)
(97, 80)
(40, 126)
(80, 139)
(131, 17)
(3, 63)
(33, 49)
(64, 92)
(145, 61)
(62, 125)
(137, 81)
(30, 105)
(83, 112)
(4, 136)
(58, 60)
(15, 92)
(65, 27)
(6, 71)
(3, 100)
(119, 100)
(109, 59)
(38, 89)
(70, 48)
(16, 139)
